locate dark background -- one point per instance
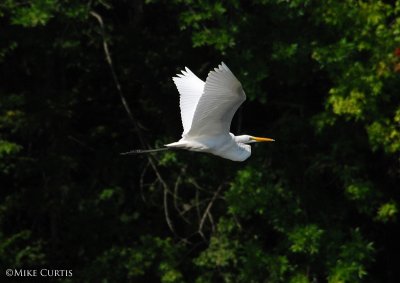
(318, 205)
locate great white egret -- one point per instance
(207, 109)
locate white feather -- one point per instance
(207, 110)
(190, 88)
(223, 94)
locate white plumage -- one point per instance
(207, 109)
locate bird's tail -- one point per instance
(138, 151)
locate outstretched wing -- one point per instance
(223, 94)
(190, 88)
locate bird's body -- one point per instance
(207, 109)
(224, 146)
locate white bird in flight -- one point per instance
(207, 109)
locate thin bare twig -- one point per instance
(166, 190)
(176, 197)
(197, 205)
(207, 211)
(176, 187)
(211, 218)
(166, 212)
(82, 144)
(141, 182)
(117, 83)
(130, 115)
(197, 186)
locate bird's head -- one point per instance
(250, 139)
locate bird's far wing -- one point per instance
(223, 94)
(190, 88)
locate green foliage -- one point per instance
(305, 239)
(167, 158)
(384, 134)
(246, 196)
(387, 212)
(219, 254)
(363, 56)
(358, 191)
(363, 195)
(349, 267)
(37, 12)
(200, 16)
(20, 251)
(8, 148)
(299, 278)
(150, 255)
(221, 251)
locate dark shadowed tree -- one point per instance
(82, 81)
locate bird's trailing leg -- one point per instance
(138, 151)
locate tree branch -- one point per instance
(130, 115)
(207, 211)
(116, 80)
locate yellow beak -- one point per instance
(258, 139)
